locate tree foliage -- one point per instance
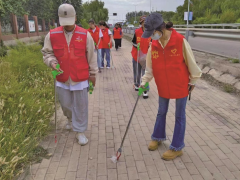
(43, 9)
(204, 12)
(210, 11)
(95, 10)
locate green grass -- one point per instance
(26, 105)
(228, 88)
(234, 60)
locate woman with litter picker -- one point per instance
(171, 62)
(106, 42)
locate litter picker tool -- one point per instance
(91, 87)
(55, 73)
(119, 152)
(111, 55)
(138, 52)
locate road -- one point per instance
(222, 47)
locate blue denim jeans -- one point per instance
(99, 57)
(159, 133)
(138, 72)
(107, 51)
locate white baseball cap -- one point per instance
(66, 13)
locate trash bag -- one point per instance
(142, 59)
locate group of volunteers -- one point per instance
(80, 54)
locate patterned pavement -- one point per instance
(212, 139)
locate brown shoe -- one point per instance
(171, 154)
(153, 145)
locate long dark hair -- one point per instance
(169, 25)
(103, 23)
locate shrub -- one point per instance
(3, 49)
(26, 105)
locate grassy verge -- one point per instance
(223, 86)
(26, 105)
(234, 60)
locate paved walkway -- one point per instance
(212, 136)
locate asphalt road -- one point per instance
(222, 47)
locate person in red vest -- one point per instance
(138, 71)
(117, 35)
(73, 48)
(170, 61)
(106, 42)
(97, 35)
(120, 26)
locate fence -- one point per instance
(13, 27)
(223, 26)
(227, 34)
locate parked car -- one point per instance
(130, 26)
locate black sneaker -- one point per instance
(135, 87)
(145, 95)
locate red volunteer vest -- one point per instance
(105, 39)
(144, 43)
(169, 69)
(95, 36)
(72, 59)
(117, 34)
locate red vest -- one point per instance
(72, 59)
(144, 43)
(95, 36)
(116, 34)
(106, 39)
(169, 69)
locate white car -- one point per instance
(130, 26)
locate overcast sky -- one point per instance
(122, 7)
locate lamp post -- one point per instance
(150, 6)
(135, 13)
(188, 14)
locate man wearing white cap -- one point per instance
(73, 48)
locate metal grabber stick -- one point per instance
(111, 55)
(119, 152)
(55, 73)
(138, 53)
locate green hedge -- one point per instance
(26, 106)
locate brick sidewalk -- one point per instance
(212, 136)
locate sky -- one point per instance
(122, 7)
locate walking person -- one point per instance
(120, 27)
(106, 43)
(138, 71)
(171, 62)
(97, 35)
(117, 35)
(73, 48)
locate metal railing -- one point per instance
(229, 34)
(223, 26)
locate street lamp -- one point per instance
(150, 6)
(135, 13)
(188, 13)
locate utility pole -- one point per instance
(188, 13)
(150, 6)
(135, 13)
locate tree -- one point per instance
(12, 6)
(95, 10)
(210, 11)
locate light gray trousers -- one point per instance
(75, 106)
